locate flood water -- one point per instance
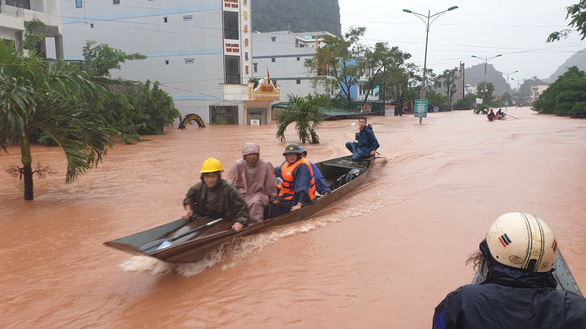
(381, 258)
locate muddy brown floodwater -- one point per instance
(381, 258)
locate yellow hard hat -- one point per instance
(211, 165)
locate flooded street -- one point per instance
(383, 257)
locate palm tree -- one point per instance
(55, 99)
(306, 115)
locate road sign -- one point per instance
(420, 108)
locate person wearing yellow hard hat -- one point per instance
(214, 197)
(519, 291)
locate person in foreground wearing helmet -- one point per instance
(321, 185)
(298, 187)
(255, 180)
(366, 143)
(215, 198)
(518, 252)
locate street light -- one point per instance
(509, 73)
(427, 24)
(486, 59)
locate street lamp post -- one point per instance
(427, 22)
(508, 74)
(485, 59)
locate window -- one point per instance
(298, 59)
(231, 25)
(273, 39)
(92, 25)
(24, 4)
(255, 67)
(298, 81)
(232, 68)
(166, 62)
(116, 2)
(189, 60)
(273, 59)
(187, 17)
(78, 4)
(165, 20)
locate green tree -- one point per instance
(100, 59)
(306, 115)
(465, 103)
(448, 79)
(566, 96)
(338, 59)
(484, 90)
(578, 14)
(156, 109)
(57, 99)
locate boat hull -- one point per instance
(195, 249)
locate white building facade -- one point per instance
(14, 13)
(198, 50)
(282, 55)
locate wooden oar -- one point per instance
(166, 242)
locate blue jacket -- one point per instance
(366, 140)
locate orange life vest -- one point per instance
(287, 192)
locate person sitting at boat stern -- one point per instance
(254, 178)
(214, 198)
(366, 143)
(321, 185)
(298, 186)
(519, 291)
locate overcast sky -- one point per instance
(517, 29)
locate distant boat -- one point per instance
(176, 242)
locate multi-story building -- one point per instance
(537, 90)
(14, 13)
(281, 55)
(199, 51)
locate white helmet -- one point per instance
(522, 241)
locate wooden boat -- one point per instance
(562, 274)
(342, 174)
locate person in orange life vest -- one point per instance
(320, 182)
(298, 187)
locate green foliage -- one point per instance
(578, 14)
(31, 39)
(306, 115)
(449, 78)
(220, 121)
(100, 59)
(155, 109)
(56, 99)
(485, 90)
(566, 96)
(482, 109)
(465, 103)
(339, 59)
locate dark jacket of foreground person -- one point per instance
(511, 298)
(221, 201)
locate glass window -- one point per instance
(116, 2)
(298, 82)
(255, 65)
(231, 25)
(273, 59)
(232, 68)
(78, 4)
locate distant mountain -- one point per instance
(578, 59)
(475, 74)
(296, 16)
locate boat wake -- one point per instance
(234, 251)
